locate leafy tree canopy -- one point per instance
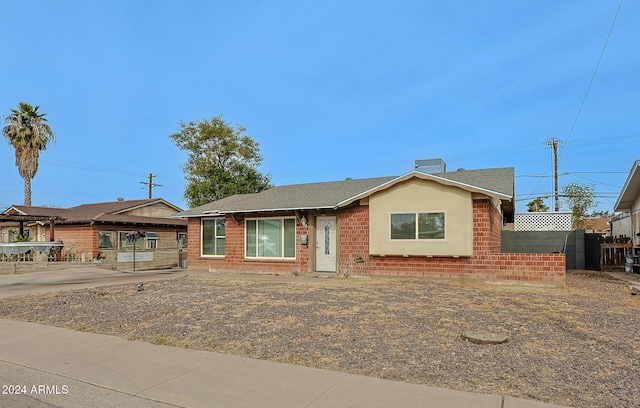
(537, 205)
(579, 198)
(222, 161)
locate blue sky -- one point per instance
(329, 89)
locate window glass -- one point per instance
(403, 226)
(220, 245)
(418, 226)
(431, 226)
(182, 240)
(289, 238)
(124, 240)
(251, 245)
(220, 231)
(105, 240)
(151, 240)
(327, 239)
(213, 237)
(270, 238)
(269, 234)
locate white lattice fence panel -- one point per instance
(543, 221)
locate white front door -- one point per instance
(326, 244)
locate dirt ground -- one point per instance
(575, 345)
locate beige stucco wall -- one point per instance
(417, 195)
(154, 210)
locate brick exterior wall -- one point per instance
(234, 259)
(77, 239)
(487, 261)
(82, 240)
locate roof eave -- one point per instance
(213, 213)
(624, 202)
(13, 207)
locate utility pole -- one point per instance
(553, 143)
(150, 184)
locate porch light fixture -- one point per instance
(303, 221)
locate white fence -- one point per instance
(543, 221)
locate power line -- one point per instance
(550, 195)
(593, 181)
(593, 77)
(150, 184)
(407, 163)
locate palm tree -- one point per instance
(29, 133)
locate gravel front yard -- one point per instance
(575, 345)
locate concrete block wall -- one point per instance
(162, 259)
(546, 242)
(537, 242)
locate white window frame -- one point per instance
(215, 237)
(282, 229)
(417, 232)
(151, 241)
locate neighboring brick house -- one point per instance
(98, 232)
(443, 224)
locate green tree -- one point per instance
(29, 133)
(221, 161)
(579, 198)
(537, 205)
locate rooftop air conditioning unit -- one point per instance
(431, 166)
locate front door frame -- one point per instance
(326, 243)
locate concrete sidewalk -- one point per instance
(54, 367)
(631, 278)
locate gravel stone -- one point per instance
(575, 345)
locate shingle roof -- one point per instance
(499, 180)
(321, 195)
(329, 195)
(106, 212)
(39, 211)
